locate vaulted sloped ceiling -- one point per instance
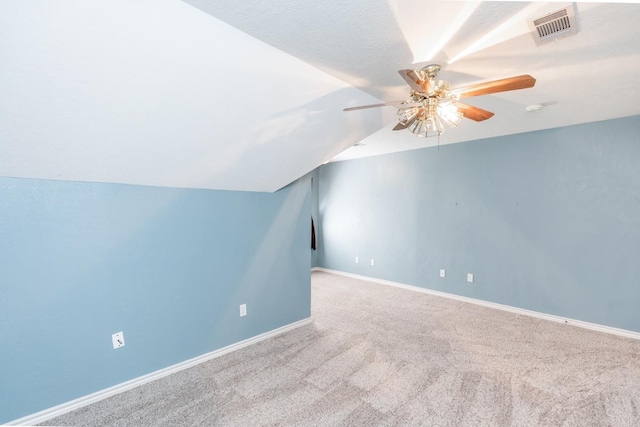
(224, 94)
(591, 76)
(157, 92)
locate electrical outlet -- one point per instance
(118, 339)
(243, 310)
(469, 277)
(357, 260)
(442, 273)
(373, 262)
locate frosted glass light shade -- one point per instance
(430, 126)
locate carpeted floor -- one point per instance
(378, 355)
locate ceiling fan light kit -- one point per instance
(433, 101)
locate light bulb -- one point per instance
(450, 114)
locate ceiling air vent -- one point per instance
(553, 25)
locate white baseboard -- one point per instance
(56, 411)
(525, 312)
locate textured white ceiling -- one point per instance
(592, 76)
(249, 95)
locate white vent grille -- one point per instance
(553, 25)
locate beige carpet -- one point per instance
(378, 355)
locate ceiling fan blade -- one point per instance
(486, 88)
(417, 79)
(473, 113)
(384, 104)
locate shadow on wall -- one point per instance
(266, 275)
(315, 131)
(309, 134)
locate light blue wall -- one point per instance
(169, 267)
(548, 221)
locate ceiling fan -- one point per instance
(433, 101)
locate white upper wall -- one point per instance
(157, 92)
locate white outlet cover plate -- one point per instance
(470, 278)
(443, 273)
(373, 262)
(243, 310)
(118, 339)
(357, 260)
